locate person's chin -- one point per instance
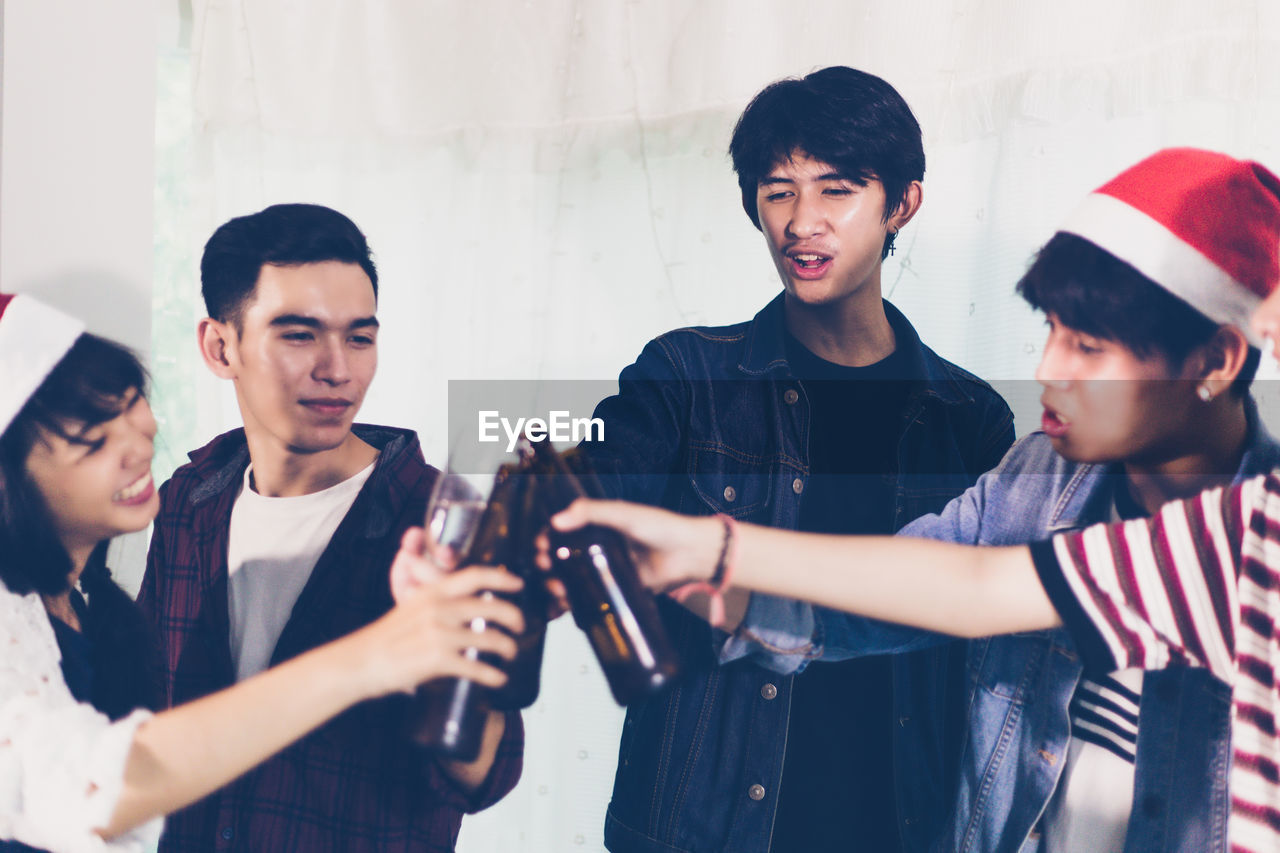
(321, 439)
(136, 518)
(1081, 454)
(812, 294)
(1063, 446)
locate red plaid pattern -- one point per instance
(356, 784)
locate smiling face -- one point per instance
(100, 485)
(303, 355)
(1103, 403)
(825, 231)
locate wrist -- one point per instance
(710, 533)
(722, 572)
(349, 666)
(718, 551)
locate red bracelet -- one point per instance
(721, 577)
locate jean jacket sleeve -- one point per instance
(784, 635)
(645, 427)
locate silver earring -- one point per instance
(1204, 393)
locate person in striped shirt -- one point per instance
(1197, 584)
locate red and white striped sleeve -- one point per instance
(1158, 591)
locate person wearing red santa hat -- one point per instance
(1194, 586)
(85, 764)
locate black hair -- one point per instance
(281, 235)
(88, 386)
(850, 119)
(1092, 291)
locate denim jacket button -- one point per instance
(730, 494)
(756, 792)
(797, 485)
(790, 396)
(769, 691)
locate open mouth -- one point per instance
(137, 491)
(1053, 424)
(808, 260)
(808, 265)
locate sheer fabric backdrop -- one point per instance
(546, 187)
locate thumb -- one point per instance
(636, 521)
(620, 515)
(414, 541)
(410, 568)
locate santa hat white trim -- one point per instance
(33, 339)
(1156, 252)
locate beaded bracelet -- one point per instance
(721, 578)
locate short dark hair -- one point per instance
(853, 120)
(1092, 291)
(281, 235)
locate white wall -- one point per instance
(77, 159)
(77, 143)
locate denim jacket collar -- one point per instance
(1074, 505)
(766, 352)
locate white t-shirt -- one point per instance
(1198, 585)
(274, 545)
(1089, 812)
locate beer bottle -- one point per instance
(609, 603)
(518, 555)
(450, 713)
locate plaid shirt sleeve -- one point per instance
(357, 784)
(508, 763)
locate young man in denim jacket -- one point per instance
(1055, 758)
(825, 412)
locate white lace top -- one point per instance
(61, 761)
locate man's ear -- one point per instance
(217, 345)
(1219, 361)
(911, 201)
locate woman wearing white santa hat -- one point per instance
(85, 763)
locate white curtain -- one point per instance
(546, 187)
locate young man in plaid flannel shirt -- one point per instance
(277, 537)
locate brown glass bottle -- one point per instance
(524, 671)
(450, 713)
(608, 601)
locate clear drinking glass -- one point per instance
(482, 518)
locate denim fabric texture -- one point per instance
(1019, 687)
(712, 420)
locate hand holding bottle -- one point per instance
(608, 601)
(426, 635)
(669, 549)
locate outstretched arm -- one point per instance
(181, 755)
(955, 589)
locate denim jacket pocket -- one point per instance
(1007, 666)
(727, 481)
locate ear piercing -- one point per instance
(1204, 392)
